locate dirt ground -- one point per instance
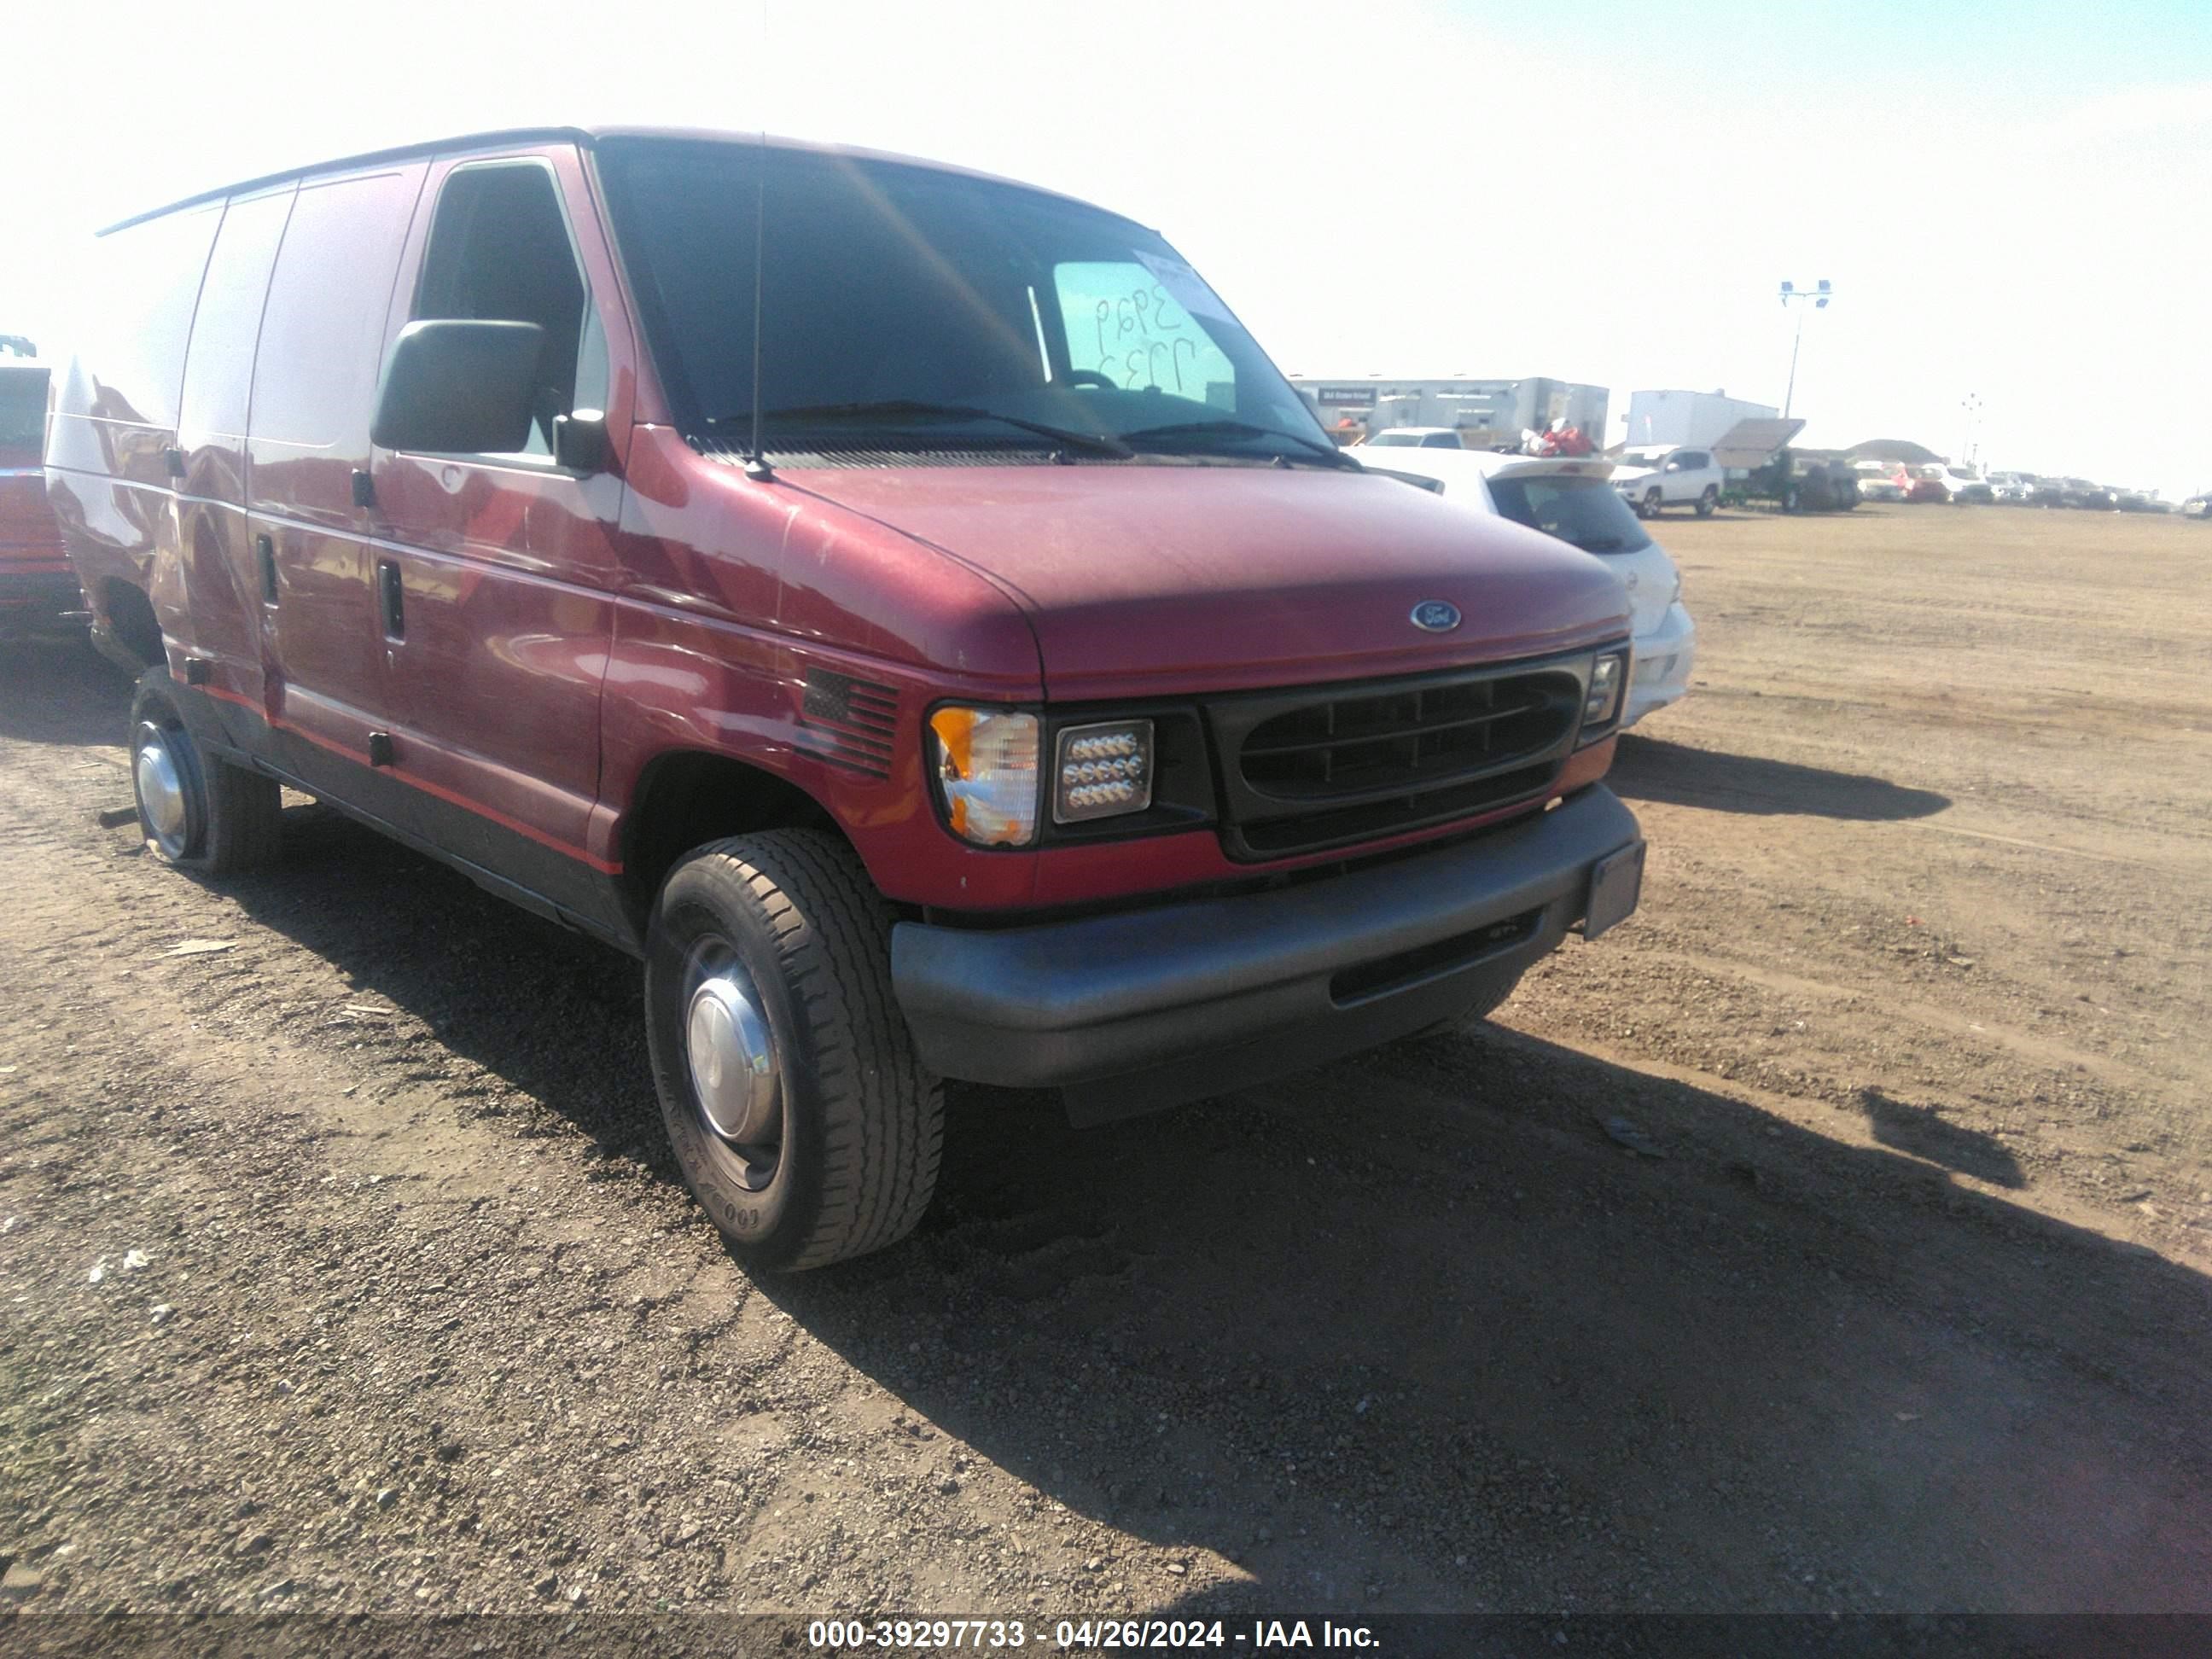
(343, 1268)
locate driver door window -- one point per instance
(500, 251)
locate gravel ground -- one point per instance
(343, 1268)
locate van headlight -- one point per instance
(1602, 704)
(1102, 771)
(986, 774)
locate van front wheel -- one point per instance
(800, 1117)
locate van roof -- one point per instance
(586, 137)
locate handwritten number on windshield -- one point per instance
(1133, 320)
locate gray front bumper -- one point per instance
(1145, 1007)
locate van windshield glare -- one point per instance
(890, 285)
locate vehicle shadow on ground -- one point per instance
(1923, 1132)
(1410, 1331)
(61, 692)
(1655, 770)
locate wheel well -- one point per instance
(688, 798)
(131, 621)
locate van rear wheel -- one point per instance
(798, 1111)
(199, 812)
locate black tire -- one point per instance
(230, 819)
(1708, 501)
(1653, 504)
(860, 1124)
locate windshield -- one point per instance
(1395, 441)
(1644, 457)
(906, 306)
(1575, 507)
(23, 410)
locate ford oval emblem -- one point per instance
(1437, 616)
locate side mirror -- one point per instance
(579, 440)
(459, 387)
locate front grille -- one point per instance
(1326, 767)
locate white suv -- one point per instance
(1650, 480)
(1567, 497)
(1412, 437)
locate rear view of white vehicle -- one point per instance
(1574, 501)
(1650, 480)
(1412, 437)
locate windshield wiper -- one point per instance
(1098, 441)
(1321, 449)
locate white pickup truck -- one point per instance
(1652, 479)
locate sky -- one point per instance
(2013, 204)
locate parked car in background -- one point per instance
(2048, 492)
(2089, 496)
(1967, 486)
(39, 590)
(1882, 481)
(893, 748)
(2140, 500)
(1412, 437)
(1573, 501)
(1651, 479)
(2198, 507)
(2012, 489)
(1927, 483)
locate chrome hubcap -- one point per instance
(731, 1054)
(160, 792)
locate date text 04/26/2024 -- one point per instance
(1082, 1635)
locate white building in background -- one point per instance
(1687, 417)
(1485, 413)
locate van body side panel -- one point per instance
(314, 386)
(508, 565)
(115, 412)
(684, 683)
(744, 597)
(212, 600)
(547, 880)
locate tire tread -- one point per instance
(882, 1128)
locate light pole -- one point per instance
(1820, 296)
(1972, 402)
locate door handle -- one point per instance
(265, 549)
(393, 598)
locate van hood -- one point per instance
(1144, 579)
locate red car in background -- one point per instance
(1927, 484)
(38, 589)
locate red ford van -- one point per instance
(38, 589)
(903, 608)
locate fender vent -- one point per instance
(848, 722)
